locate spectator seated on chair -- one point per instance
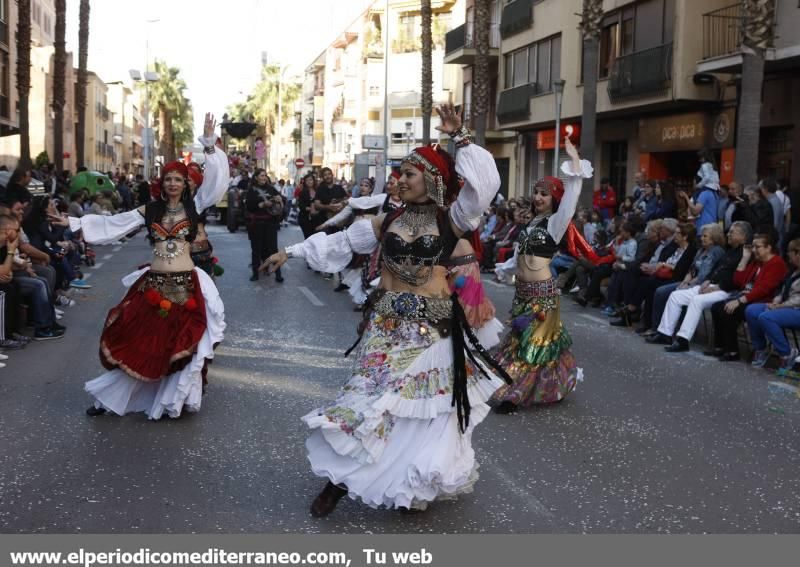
(758, 276)
(767, 321)
(697, 298)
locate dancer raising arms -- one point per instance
(536, 353)
(399, 433)
(156, 341)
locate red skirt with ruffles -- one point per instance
(149, 339)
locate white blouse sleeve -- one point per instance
(105, 229)
(558, 222)
(330, 253)
(481, 183)
(216, 177)
(339, 218)
(506, 269)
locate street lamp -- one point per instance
(558, 86)
(409, 136)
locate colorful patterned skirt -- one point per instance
(156, 343)
(535, 353)
(464, 278)
(392, 435)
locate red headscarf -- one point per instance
(395, 174)
(195, 173)
(178, 166)
(439, 169)
(554, 185)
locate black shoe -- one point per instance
(714, 351)
(580, 300)
(643, 331)
(659, 339)
(279, 278)
(358, 308)
(505, 408)
(47, 334)
(729, 357)
(621, 322)
(680, 345)
(57, 327)
(341, 287)
(326, 501)
(254, 278)
(94, 412)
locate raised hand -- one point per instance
(451, 120)
(209, 126)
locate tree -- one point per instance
(758, 18)
(59, 84)
(174, 113)
(591, 27)
(480, 77)
(24, 79)
(262, 103)
(83, 80)
(427, 70)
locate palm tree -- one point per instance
(591, 27)
(758, 18)
(83, 80)
(173, 110)
(59, 84)
(24, 79)
(480, 76)
(427, 71)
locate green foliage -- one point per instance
(41, 160)
(167, 96)
(262, 103)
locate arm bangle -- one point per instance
(208, 149)
(461, 137)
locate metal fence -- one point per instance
(722, 31)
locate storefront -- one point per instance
(668, 145)
(540, 153)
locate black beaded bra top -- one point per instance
(536, 240)
(412, 262)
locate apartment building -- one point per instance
(460, 51)
(652, 113)
(98, 146)
(128, 125)
(343, 93)
(721, 62)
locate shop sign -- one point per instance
(687, 132)
(546, 139)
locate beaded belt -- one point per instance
(458, 261)
(413, 307)
(175, 286)
(544, 288)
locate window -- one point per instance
(539, 64)
(374, 90)
(642, 26)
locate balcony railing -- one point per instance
(722, 31)
(514, 104)
(517, 16)
(464, 37)
(644, 73)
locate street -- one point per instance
(649, 443)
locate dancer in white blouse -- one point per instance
(399, 433)
(155, 344)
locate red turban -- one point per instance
(438, 167)
(195, 173)
(174, 166)
(395, 174)
(554, 185)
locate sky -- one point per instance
(216, 44)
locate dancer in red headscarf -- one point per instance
(155, 343)
(536, 352)
(399, 433)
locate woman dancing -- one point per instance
(536, 353)
(156, 341)
(399, 433)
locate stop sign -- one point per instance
(299, 163)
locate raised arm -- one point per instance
(216, 175)
(105, 229)
(575, 170)
(328, 253)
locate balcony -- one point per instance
(517, 16)
(642, 74)
(722, 32)
(459, 44)
(514, 104)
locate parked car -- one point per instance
(36, 187)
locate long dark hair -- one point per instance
(38, 212)
(154, 211)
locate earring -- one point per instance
(163, 197)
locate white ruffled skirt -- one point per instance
(117, 392)
(391, 436)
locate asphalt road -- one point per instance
(649, 443)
